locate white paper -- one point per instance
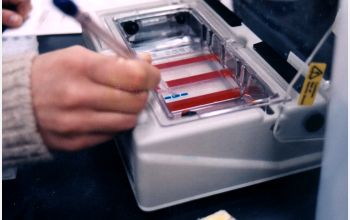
(97, 5)
(46, 19)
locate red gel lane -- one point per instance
(204, 99)
(199, 77)
(206, 57)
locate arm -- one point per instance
(21, 140)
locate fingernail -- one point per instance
(15, 19)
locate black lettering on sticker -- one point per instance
(312, 87)
(314, 91)
(307, 87)
(303, 100)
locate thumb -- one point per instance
(11, 18)
(145, 56)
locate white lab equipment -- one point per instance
(210, 127)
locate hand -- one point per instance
(81, 98)
(15, 16)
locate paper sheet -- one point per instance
(45, 19)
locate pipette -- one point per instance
(70, 8)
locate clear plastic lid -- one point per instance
(199, 74)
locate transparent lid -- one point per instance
(200, 75)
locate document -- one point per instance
(46, 19)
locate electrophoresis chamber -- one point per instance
(210, 125)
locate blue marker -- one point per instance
(175, 96)
(71, 9)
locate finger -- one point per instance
(106, 122)
(24, 8)
(102, 98)
(13, 2)
(129, 75)
(74, 142)
(11, 18)
(145, 56)
(80, 122)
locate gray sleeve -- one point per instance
(21, 142)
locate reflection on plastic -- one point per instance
(199, 75)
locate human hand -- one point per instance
(14, 12)
(81, 98)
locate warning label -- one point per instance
(312, 83)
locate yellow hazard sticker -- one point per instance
(312, 83)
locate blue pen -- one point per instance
(71, 9)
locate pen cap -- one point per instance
(67, 6)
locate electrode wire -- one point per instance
(296, 77)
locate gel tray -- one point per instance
(198, 74)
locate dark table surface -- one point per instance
(92, 184)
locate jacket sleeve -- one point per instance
(21, 141)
